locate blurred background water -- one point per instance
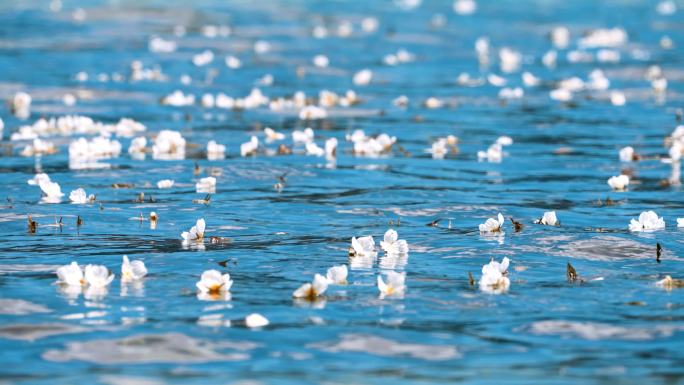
(621, 329)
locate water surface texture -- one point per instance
(279, 219)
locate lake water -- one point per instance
(616, 326)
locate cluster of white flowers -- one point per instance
(440, 148)
(39, 147)
(371, 146)
(77, 125)
(97, 148)
(494, 279)
(169, 145)
(648, 221)
(95, 278)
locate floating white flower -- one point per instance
(203, 58)
(313, 113)
(312, 290)
(648, 221)
(560, 37)
(313, 149)
(465, 7)
(303, 136)
(21, 105)
(363, 77)
(132, 270)
(233, 62)
(509, 59)
(680, 222)
(549, 219)
(321, 61)
(196, 233)
(39, 147)
(71, 275)
(433, 102)
(492, 225)
(137, 146)
(362, 246)
(603, 37)
(530, 80)
(619, 182)
(206, 185)
(494, 278)
(159, 45)
(250, 148)
(394, 286)
(98, 276)
(214, 285)
(165, 183)
(78, 196)
(337, 275)
(617, 98)
(272, 135)
(439, 149)
(215, 151)
(256, 320)
(392, 245)
(561, 95)
(38, 178)
(178, 99)
(494, 154)
(51, 190)
(331, 148)
(169, 145)
(627, 154)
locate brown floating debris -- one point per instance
(219, 240)
(122, 185)
(434, 223)
(284, 150)
(471, 279)
(659, 250)
(32, 225)
(517, 225)
(197, 169)
(79, 221)
(571, 273)
(205, 201)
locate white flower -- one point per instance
(530, 80)
(504, 140)
(313, 149)
(337, 275)
(38, 178)
(313, 113)
(214, 283)
(169, 145)
(492, 225)
(321, 61)
(648, 221)
(137, 145)
(549, 219)
(203, 58)
(363, 246)
(215, 151)
(331, 148)
(52, 191)
(272, 135)
(560, 37)
(312, 290)
(98, 276)
(207, 101)
(561, 95)
(439, 149)
(509, 60)
(249, 148)
(256, 320)
(680, 222)
(392, 245)
(617, 98)
(71, 275)
(465, 7)
(78, 196)
(303, 136)
(196, 233)
(394, 285)
(206, 185)
(627, 154)
(619, 182)
(494, 154)
(178, 99)
(132, 271)
(433, 102)
(165, 183)
(21, 105)
(493, 278)
(233, 62)
(363, 77)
